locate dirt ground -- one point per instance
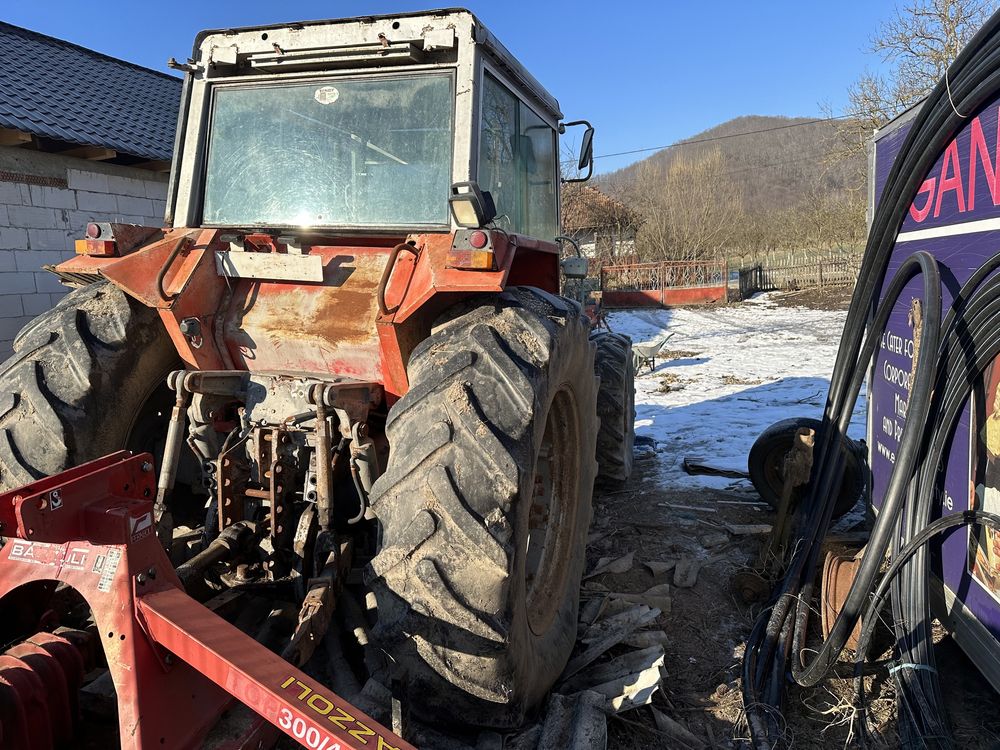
(707, 625)
(827, 298)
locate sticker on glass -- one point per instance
(326, 95)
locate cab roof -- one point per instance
(480, 36)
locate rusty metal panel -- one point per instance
(327, 327)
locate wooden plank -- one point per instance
(11, 137)
(91, 153)
(154, 165)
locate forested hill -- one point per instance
(780, 166)
(792, 181)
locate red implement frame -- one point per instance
(176, 665)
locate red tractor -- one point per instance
(348, 353)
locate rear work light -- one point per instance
(472, 250)
(99, 240)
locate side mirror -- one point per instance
(586, 160)
(586, 150)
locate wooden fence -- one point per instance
(665, 283)
(835, 272)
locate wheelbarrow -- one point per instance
(646, 354)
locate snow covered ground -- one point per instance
(735, 371)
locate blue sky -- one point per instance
(645, 73)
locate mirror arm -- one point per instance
(590, 172)
(564, 125)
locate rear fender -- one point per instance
(176, 276)
(422, 286)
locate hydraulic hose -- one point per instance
(906, 458)
(914, 546)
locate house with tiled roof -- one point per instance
(604, 226)
(83, 137)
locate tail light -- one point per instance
(108, 240)
(472, 250)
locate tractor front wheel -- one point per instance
(484, 509)
(615, 406)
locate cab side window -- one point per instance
(518, 162)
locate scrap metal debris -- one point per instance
(748, 529)
(698, 467)
(657, 597)
(679, 736)
(714, 539)
(646, 638)
(626, 681)
(659, 567)
(571, 721)
(608, 635)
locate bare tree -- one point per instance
(917, 43)
(690, 208)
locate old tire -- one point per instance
(499, 418)
(77, 384)
(615, 367)
(766, 460)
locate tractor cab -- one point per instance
(333, 185)
(366, 126)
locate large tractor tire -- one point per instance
(80, 384)
(484, 509)
(615, 406)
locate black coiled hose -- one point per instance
(945, 375)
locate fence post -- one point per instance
(821, 275)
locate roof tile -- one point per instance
(59, 90)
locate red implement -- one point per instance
(175, 664)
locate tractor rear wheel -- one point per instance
(83, 381)
(615, 406)
(484, 509)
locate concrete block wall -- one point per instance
(46, 201)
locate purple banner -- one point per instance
(953, 217)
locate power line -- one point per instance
(723, 137)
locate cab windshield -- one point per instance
(372, 152)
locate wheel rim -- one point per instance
(551, 517)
